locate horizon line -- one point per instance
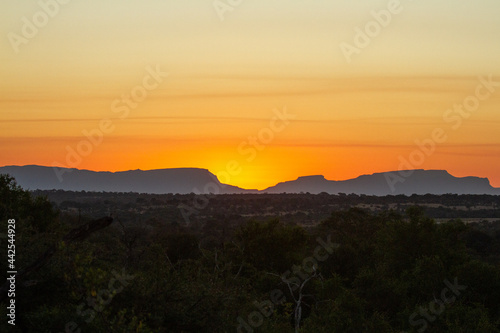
(250, 189)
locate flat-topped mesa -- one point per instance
(202, 181)
(312, 178)
(405, 182)
(159, 181)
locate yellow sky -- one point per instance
(227, 79)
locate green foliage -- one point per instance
(271, 246)
(33, 214)
(14, 201)
(388, 268)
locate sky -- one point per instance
(256, 91)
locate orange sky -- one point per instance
(228, 81)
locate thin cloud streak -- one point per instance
(377, 145)
(424, 121)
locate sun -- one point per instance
(232, 168)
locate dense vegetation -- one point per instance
(302, 208)
(355, 271)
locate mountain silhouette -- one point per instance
(390, 183)
(194, 180)
(180, 180)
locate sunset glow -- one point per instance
(268, 90)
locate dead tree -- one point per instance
(296, 291)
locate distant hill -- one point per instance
(181, 180)
(390, 183)
(188, 180)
